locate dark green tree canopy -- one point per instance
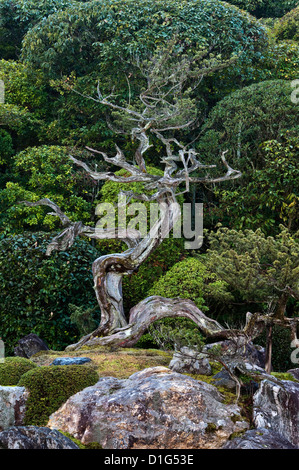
(18, 16)
(266, 8)
(95, 35)
(242, 121)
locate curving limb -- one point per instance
(146, 312)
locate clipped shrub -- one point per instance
(88, 37)
(13, 368)
(190, 279)
(281, 62)
(51, 386)
(288, 26)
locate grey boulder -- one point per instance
(238, 351)
(12, 406)
(153, 409)
(259, 439)
(276, 407)
(34, 437)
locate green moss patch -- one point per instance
(90, 445)
(284, 376)
(12, 369)
(119, 363)
(50, 387)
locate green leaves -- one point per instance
(190, 279)
(45, 171)
(288, 26)
(37, 290)
(242, 121)
(103, 32)
(271, 195)
(266, 8)
(257, 267)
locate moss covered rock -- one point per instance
(50, 387)
(12, 369)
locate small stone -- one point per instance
(190, 361)
(224, 380)
(70, 361)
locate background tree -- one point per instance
(45, 171)
(18, 16)
(83, 44)
(288, 26)
(260, 269)
(266, 8)
(247, 118)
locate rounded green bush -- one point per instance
(51, 386)
(288, 26)
(190, 279)
(13, 368)
(242, 121)
(90, 36)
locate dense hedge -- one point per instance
(36, 290)
(190, 279)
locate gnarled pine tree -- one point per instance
(165, 106)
